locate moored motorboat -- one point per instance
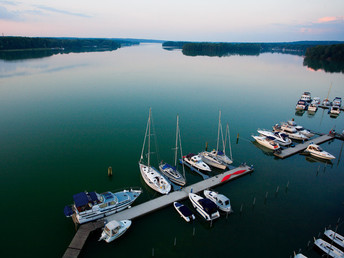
(300, 128)
(267, 141)
(326, 103)
(334, 110)
(306, 96)
(184, 211)
(114, 229)
(205, 207)
(316, 100)
(335, 237)
(222, 202)
(337, 101)
(290, 131)
(196, 161)
(151, 175)
(299, 255)
(317, 151)
(312, 107)
(90, 206)
(301, 105)
(280, 138)
(328, 248)
(212, 160)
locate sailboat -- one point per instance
(169, 171)
(217, 158)
(151, 175)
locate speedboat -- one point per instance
(317, 151)
(300, 129)
(306, 96)
(204, 206)
(114, 229)
(337, 101)
(90, 206)
(335, 237)
(335, 110)
(172, 173)
(184, 211)
(328, 248)
(222, 202)
(196, 161)
(290, 131)
(326, 103)
(280, 138)
(312, 107)
(301, 105)
(299, 255)
(212, 160)
(267, 141)
(316, 100)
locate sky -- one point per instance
(180, 20)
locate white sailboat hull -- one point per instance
(154, 179)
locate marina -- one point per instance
(83, 232)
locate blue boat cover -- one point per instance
(80, 199)
(68, 211)
(168, 166)
(93, 197)
(220, 153)
(208, 205)
(185, 211)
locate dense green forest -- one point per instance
(20, 43)
(221, 49)
(328, 58)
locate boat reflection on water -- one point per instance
(299, 112)
(313, 159)
(265, 150)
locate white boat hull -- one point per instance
(125, 224)
(194, 198)
(211, 160)
(262, 141)
(335, 237)
(154, 179)
(329, 249)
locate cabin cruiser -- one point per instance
(337, 101)
(222, 202)
(184, 211)
(335, 110)
(172, 173)
(212, 160)
(114, 229)
(204, 206)
(306, 96)
(300, 129)
(335, 237)
(196, 161)
(328, 248)
(316, 100)
(312, 107)
(301, 105)
(280, 138)
(326, 103)
(90, 206)
(267, 141)
(290, 131)
(318, 152)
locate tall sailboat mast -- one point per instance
(149, 135)
(176, 149)
(218, 132)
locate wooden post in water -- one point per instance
(206, 146)
(109, 171)
(237, 138)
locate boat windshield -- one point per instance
(107, 231)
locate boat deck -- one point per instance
(300, 147)
(84, 230)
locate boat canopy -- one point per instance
(185, 211)
(220, 153)
(208, 205)
(112, 225)
(190, 155)
(168, 166)
(81, 199)
(68, 211)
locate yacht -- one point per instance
(317, 151)
(337, 101)
(316, 100)
(151, 175)
(222, 202)
(300, 129)
(326, 103)
(334, 110)
(290, 131)
(204, 206)
(196, 161)
(114, 229)
(90, 206)
(184, 211)
(312, 107)
(328, 248)
(306, 96)
(280, 138)
(212, 160)
(267, 141)
(335, 237)
(301, 105)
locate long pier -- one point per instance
(84, 230)
(300, 147)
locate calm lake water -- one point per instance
(65, 119)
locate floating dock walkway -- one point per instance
(300, 147)
(84, 230)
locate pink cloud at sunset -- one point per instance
(330, 19)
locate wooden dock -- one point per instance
(300, 147)
(84, 230)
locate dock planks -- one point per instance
(300, 147)
(83, 232)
